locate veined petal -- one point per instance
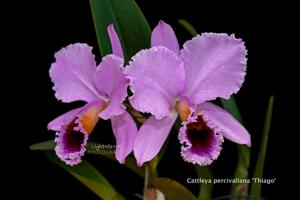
(151, 137)
(59, 122)
(115, 42)
(200, 139)
(156, 79)
(72, 74)
(229, 127)
(215, 66)
(71, 138)
(111, 83)
(163, 35)
(125, 132)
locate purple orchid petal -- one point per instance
(152, 136)
(163, 35)
(156, 78)
(72, 74)
(59, 122)
(125, 132)
(72, 137)
(215, 66)
(229, 127)
(115, 42)
(111, 83)
(201, 142)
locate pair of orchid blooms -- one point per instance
(165, 81)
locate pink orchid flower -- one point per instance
(167, 81)
(103, 88)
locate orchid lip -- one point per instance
(200, 139)
(70, 144)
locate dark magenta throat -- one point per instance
(199, 134)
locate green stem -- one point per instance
(205, 172)
(146, 180)
(150, 174)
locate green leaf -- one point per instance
(205, 189)
(172, 189)
(47, 145)
(258, 172)
(187, 26)
(129, 22)
(241, 170)
(90, 177)
(231, 106)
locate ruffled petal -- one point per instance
(200, 139)
(215, 66)
(71, 138)
(125, 132)
(72, 74)
(156, 80)
(115, 42)
(70, 144)
(59, 122)
(163, 35)
(111, 83)
(152, 136)
(229, 127)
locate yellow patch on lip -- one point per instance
(90, 118)
(183, 109)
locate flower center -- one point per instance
(183, 109)
(73, 139)
(199, 134)
(90, 118)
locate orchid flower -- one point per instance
(167, 81)
(103, 88)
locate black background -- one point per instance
(37, 30)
